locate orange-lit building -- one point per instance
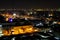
(20, 30)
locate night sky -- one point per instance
(30, 4)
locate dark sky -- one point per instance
(30, 4)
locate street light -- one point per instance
(14, 14)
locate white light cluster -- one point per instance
(40, 24)
(14, 14)
(54, 22)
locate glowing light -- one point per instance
(0, 25)
(14, 14)
(54, 22)
(50, 14)
(36, 30)
(13, 38)
(58, 22)
(40, 24)
(10, 20)
(57, 38)
(28, 30)
(7, 15)
(7, 19)
(50, 30)
(31, 13)
(20, 30)
(26, 19)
